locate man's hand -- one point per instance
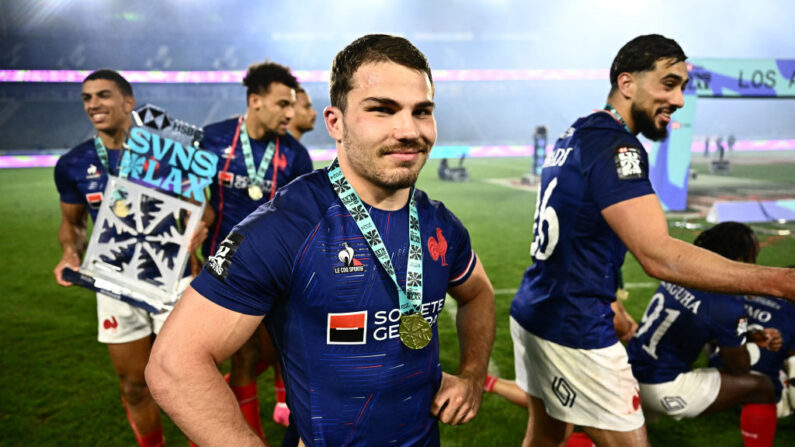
(71, 260)
(197, 237)
(458, 399)
(768, 338)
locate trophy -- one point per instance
(138, 247)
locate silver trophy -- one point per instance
(138, 247)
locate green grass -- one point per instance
(59, 388)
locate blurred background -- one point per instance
(570, 43)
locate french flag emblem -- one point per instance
(347, 328)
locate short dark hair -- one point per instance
(642, 53)
(369, 49)
(260, 76)
(111, 75)
(732, 240)
(299, 89)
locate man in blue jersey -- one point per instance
(256, 156)
(595, 201)
(351, 264)
(679, 321)
(305, 114)
(80, 176)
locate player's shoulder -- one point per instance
(435, 209)
(600, 130)
(76, 154)
(220, 132)
(291, 142)
(298, 205)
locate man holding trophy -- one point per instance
(81, 176)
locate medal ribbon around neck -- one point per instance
(613, 111)
(102, 153)
(256, 175)
(119, 195)
(411, 299)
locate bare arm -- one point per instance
(458, 398)
(72, 236)
(623, 322)
(641, 225)
(182, 373)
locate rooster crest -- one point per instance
(438, 247)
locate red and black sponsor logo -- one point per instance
(226, 179)
(347, 328)
(94, 200)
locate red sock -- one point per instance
(154, 439)
(758, 424)
(247, 399)
(489, 385)
(278, 386)
(579, 440)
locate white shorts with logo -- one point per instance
(587, 387)
(120, 322)
(686, 396)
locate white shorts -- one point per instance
(120, 322)
(687, 396)
(587, 387)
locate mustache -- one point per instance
(415, 146)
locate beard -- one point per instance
(646, 126)
(368, 162)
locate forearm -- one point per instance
(193, 393)
(475, 325)
(72, 239)
(690, 266)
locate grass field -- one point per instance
(58, 386)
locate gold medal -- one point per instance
(415, 331)
(121, 209)
(255, 192)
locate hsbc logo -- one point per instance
(347, 328)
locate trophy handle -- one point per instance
(87, 281)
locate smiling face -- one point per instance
(658, 93)
(107, 108)
(272, 110)
(387, 130)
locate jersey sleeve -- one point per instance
(251, 267)
(67, 188)
(728, 320)
(616, 167)
(303, 163)
(464, 258)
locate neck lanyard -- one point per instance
(612, 110)
(256, 175)
(415, 331)
(102, 153)
(411, 299)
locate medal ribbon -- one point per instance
(411, 299)
(615, 113)
(257, 176)
(102, 153)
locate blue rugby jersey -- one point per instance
(292, 159)
(565, 295)
(333, 312)
(678, 322)
(80, 177)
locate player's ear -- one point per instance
(129, 104)
(627, 83)
(333, 118)
(254, 101)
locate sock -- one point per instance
(579, 440)
(278, 387)
(154, 439)
(489, 385)
(758, 424)
(246, 396)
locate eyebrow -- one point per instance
(675, 77)
(95, 93)
(393, 103)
